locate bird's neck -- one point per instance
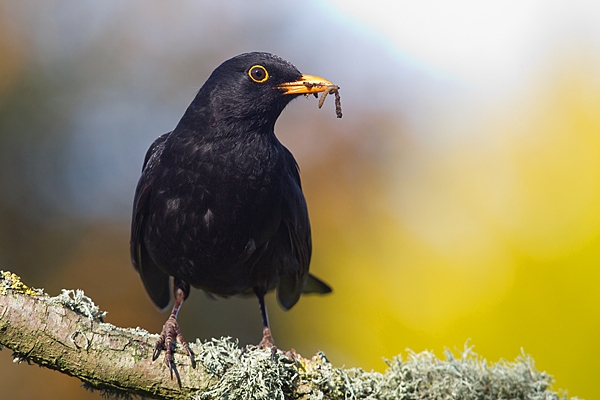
(220, 122)
(232, 114)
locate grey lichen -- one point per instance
(469, 376)
(77, 301)
(424, 376)
(246, 374)
(260, 374)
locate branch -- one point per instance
(66, 333)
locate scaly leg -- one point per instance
(170, 335)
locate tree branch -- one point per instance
(66, 333)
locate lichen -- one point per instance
(246, 373)
(11, 281)
(77, 301)
(424, 376)
(261, 374)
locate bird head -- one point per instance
(252, 89)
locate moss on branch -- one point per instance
(67, 333)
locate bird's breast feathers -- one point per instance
(196, 186)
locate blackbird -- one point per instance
(219, 205)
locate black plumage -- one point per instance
(219, 205)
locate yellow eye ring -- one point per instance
(258, 74)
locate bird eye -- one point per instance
(258, 73)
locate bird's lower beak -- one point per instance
(307, 84)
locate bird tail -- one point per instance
(290, 289)
(315, 285)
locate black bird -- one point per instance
(219, 205)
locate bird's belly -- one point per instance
(213, 236)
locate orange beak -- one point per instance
(307, 84)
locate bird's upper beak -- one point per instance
(307, 84)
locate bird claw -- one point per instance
(267, 341)
(167, 340)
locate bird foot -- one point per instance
(267, 341)
(167, 340)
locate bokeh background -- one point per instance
(457, 199)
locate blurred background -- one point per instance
(457, 199)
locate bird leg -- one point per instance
(267, 341)
(170, 335)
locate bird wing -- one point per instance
(294, 278)
(155, 280)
